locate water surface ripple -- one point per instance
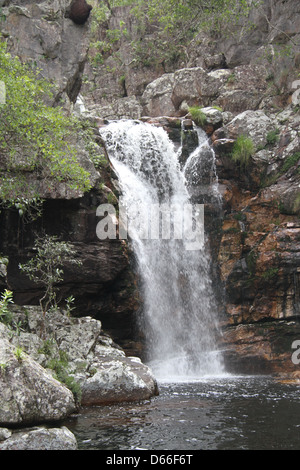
(228, 413)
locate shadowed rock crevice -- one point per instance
(79, 11)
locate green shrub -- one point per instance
(270, 273)
(60, 367)
(5, 313)
(19, 353)
(243, 149)
(175, 22)
(272, 137)
(290, 162)
(197, 115)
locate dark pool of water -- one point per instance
(251, 413)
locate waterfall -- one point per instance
(179, 311)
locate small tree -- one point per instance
(46, 267)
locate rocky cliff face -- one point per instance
(41, 33)
(259, 249)
(254, 77)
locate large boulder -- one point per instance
(157, 97)
(94, 361)
(187, 86)
(253, 124)
(120, 108)
(118, 379)
(28, 393)
(234, 90)
(40, 438)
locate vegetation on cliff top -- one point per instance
(35, 138)
(175, 23)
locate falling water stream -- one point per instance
(199, 406)
(179, 318)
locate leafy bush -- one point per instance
(5, 313)
(243, 149)
(34, 138)
(176, 23)
(272, 137)
(270, 273)
(289, 162)
(60, 367)
(197, 115)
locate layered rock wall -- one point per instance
(253, 77)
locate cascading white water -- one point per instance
(179, 309)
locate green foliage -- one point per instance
(28, 208)
(3, 260)
(270, 273)
(231, 79)
(210, 14)
(272, 137)
(289, 162)
(45, 268)
(99, 15)
(3, 367)
(240, 216)
(59, 364)
(175, 22)
(5, 313)
(242, 150)
(60, 367)
(48, 347)
(94, 150)
(19, 353)
(35, 139)
(70, 304)
(197, 115)
(2, 16)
